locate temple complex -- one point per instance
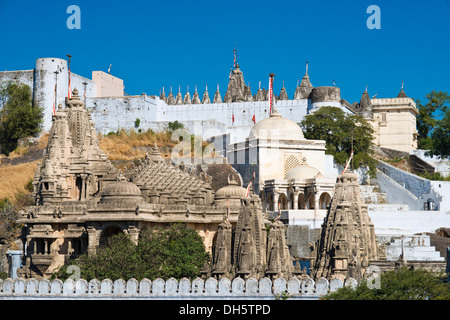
(81, 200)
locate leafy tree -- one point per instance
(342, 132)
(401, 284)
(175, 125)
(440, 137)
(161, 252)
(429, 115)
(18, 117)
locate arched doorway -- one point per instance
(283, 202)
(310, 202)
(324, 200)
(301, 202)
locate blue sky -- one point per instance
(170, 43)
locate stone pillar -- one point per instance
(295, 201)
(92, 237)
(276, 197)
(14, 261)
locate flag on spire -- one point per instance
(346, 165)
(247, 192)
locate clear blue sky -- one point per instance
(152, 44)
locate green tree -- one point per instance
(401, 284)
(440, 137)
(429, 115)
(161, 252)
(175, 125)
(342, 132)
(18, 117)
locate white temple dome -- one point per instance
(303, 172)
(277, 128)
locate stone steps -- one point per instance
(371, 194)
(416, 247)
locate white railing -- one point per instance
(198, 288)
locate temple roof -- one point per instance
(163, 177)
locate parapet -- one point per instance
(210, 288)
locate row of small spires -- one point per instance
(261, 95)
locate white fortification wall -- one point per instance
(206, 120)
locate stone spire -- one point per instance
(217, 97)
(236, 86)
(187, 97)
(347, 243)
(195, 97)
(365, 107)
(179, 97)
(170, 97)
(205, 98)
(248, 93)
(163, 96)
(278, 257)
(402, 93)
(283, 94)
(260, 95)
(221, 263)
(304, 89)
(250, 241)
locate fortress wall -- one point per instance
(114, 113)
(207, 120)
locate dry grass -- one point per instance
(15, 178)
(124, 145)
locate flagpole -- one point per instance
(69, 95)
(56, 91)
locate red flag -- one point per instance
(253, 119)
(232, 117)
(247, 192)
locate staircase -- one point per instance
(371, 194)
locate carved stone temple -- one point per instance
(347, 243)
(81, 200)
(259, 247)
